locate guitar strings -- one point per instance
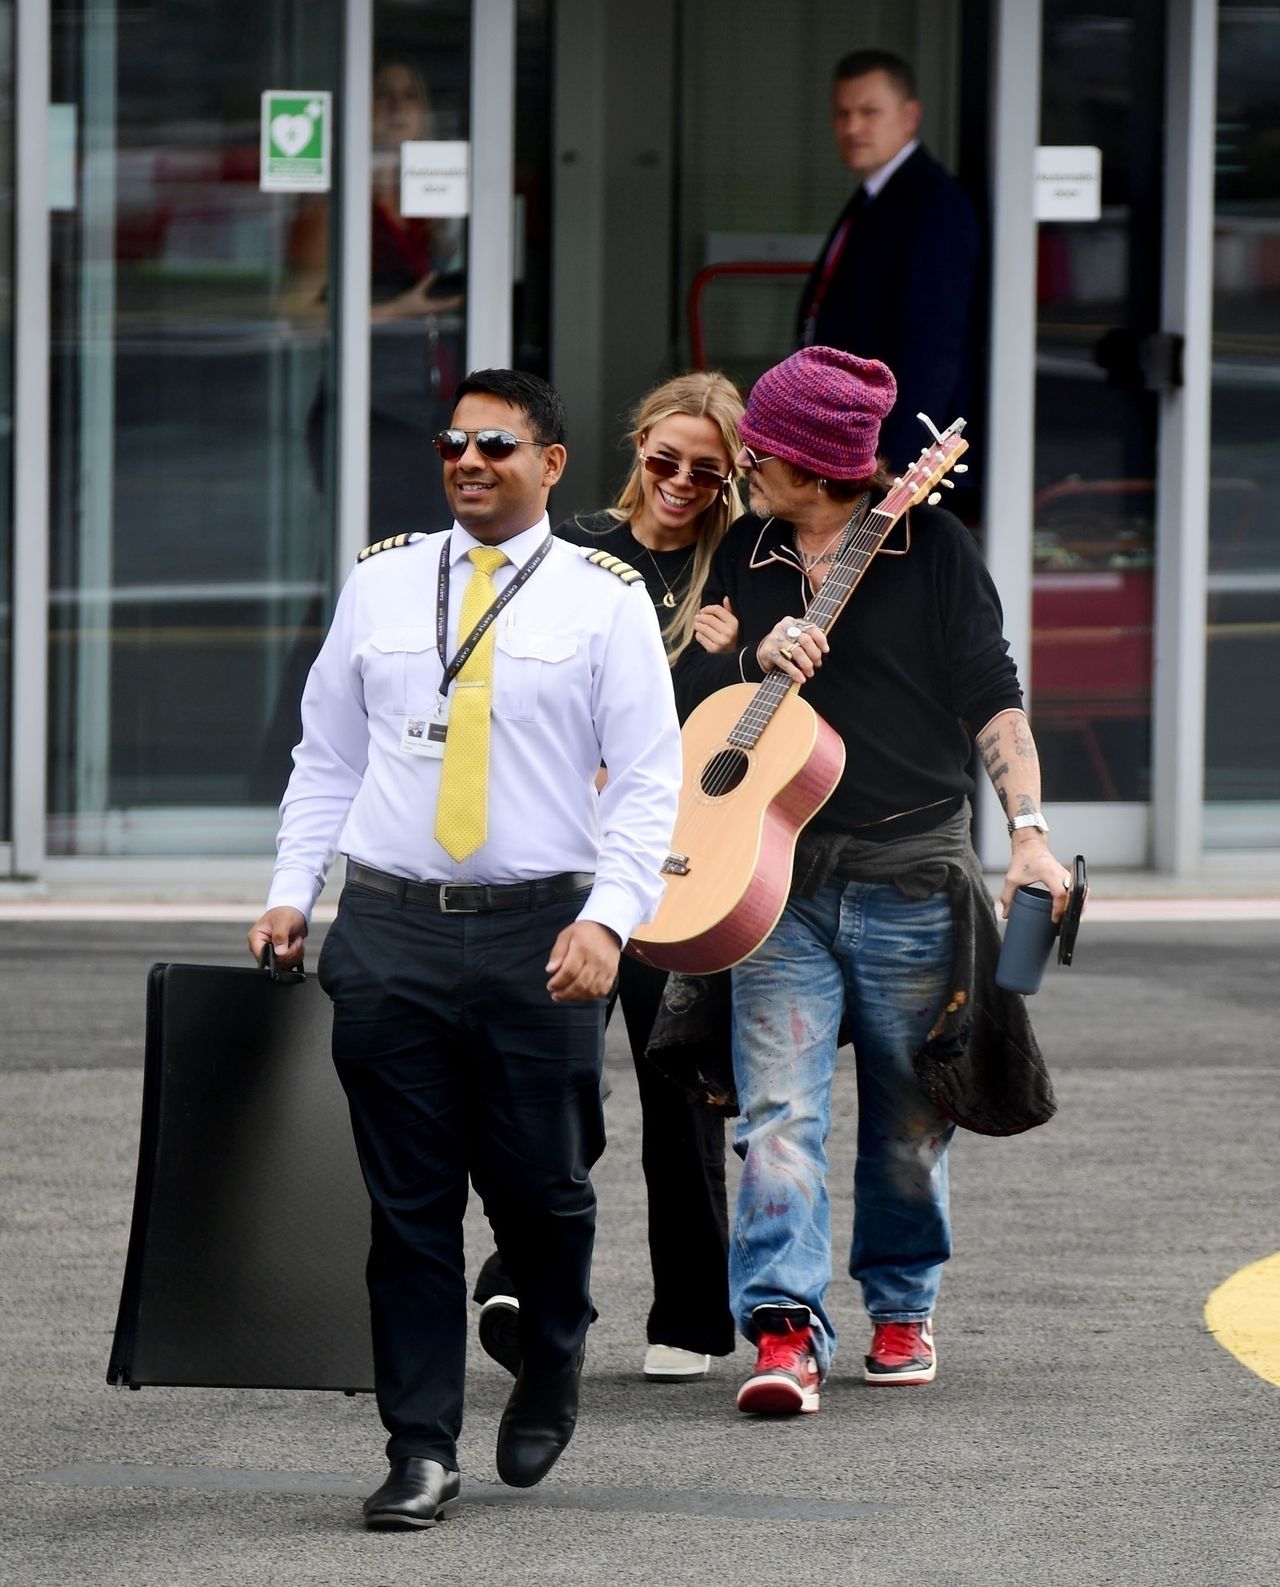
(821, 611)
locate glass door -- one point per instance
(1100, 364)
(1242, 741)
(6, 418)
(191, 381)
(420, 148)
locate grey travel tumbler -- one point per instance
(1028, 936)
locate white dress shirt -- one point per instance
(873, 183)
(580, 679)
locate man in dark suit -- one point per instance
(895, 277)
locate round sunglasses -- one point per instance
(493, 444)
(700, 478)
(754, 461)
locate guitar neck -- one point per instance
(862, 541)
(850, 564)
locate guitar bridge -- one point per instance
(675, 865)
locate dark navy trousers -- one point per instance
(458, 1067)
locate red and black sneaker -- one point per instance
(785, 1380)
(902, 1354)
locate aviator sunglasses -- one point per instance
(754, 461)
(493, 444)
(700, 478)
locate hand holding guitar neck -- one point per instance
(759, 762)
(794, 647)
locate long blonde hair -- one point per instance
(703, 394)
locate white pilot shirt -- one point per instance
(580, 678)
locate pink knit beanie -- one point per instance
(821, 410)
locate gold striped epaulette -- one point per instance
(389, 544)
(612, 564)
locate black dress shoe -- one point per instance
(537, 1424)
(417, 1493)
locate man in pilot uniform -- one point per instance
(489, 890)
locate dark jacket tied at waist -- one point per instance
(980, 1063)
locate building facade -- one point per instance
(250, 247)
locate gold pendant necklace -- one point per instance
(669, 599)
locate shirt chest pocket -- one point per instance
(531, 667)
(396, 669)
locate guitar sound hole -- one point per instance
(723, 772)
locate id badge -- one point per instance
(425, 735)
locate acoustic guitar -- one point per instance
(759, 762)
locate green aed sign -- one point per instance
(295, 141)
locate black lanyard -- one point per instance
(463, 652)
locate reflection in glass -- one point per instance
(531, 289)
(1098, 295)
(6, 415)
(190, 553)
(417, 267)
(1242, 742)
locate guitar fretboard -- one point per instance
(851, 562)
(862, 542)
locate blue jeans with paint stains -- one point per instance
(883, 961)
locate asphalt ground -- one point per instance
(1085, 1428)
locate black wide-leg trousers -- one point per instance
(457, 1065)
(682, 1154)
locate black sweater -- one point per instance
(918, 664)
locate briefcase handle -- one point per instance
(267, 962)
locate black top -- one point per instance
(903, 293)
(665, 573)
(918, 664)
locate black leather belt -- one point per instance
(462, 898)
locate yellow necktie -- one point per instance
(462, 811)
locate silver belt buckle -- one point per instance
(446, 908)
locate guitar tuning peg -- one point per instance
(960, 468)
(934, 498)
(949, 483)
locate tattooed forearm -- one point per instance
(1023, 743)
(991, 752)
(1009, 759)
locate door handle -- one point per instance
(1141, 360)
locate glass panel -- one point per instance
(1242, 742)
(417, 333)
(1099, 298)
(766, 187)
(531, 289)
(6, 415)
(191, 552)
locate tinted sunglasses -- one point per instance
(700, 478)
(493, 444)
(754, 462)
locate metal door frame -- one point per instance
(1167, 833)
(490, 275)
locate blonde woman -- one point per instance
(678, 499)
(671, 514)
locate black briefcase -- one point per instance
(250, 1219)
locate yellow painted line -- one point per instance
(1243, 1315)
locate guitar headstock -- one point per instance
(936, 460)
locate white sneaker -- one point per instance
(669, 1364)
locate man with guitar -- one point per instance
(887, 898)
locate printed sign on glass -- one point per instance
(295, 141)
(435, 178)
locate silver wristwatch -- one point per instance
(1033, 820)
